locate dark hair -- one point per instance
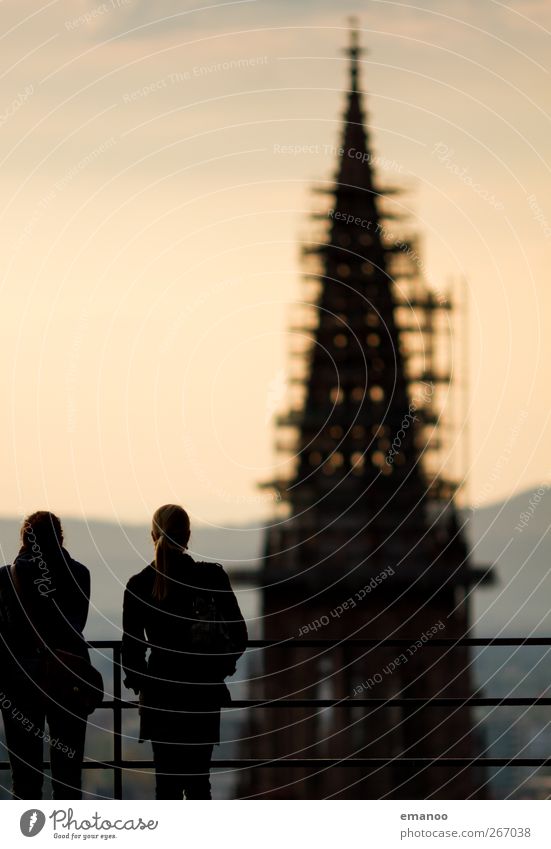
(171, 531)
(42, 529)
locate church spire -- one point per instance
(354, 51)
(362, 509)
(355, 162)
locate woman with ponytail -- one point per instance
(186, 613)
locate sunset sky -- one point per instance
(150, 223)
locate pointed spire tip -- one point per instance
(354, 51)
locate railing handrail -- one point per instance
(117, 704)
(389, 643)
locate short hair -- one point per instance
(43, 529)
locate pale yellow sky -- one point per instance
(149, 228)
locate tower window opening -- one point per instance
(378, 459)
(357, 460)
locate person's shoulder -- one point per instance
(208, 566)
(215, 571)
(140, 579)
(4, 574)
(213, 567)
(203, 567)
(79, 568)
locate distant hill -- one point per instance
(519, 603)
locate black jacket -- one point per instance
(49, 609)
(173, 670)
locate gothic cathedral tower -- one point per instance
(368, 544)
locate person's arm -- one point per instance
(228, 608)
(79, 618)
(134, 643)
(73, 606)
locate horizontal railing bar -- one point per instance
(471, 701)
(394, 643)
(324, 763)
(401, 643)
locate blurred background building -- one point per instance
(367, 543)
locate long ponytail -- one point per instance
(170, 531)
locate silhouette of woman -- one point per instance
(44, 600)
(186, 613)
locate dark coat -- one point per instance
(181, 692)
(56, 590)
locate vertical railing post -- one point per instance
(117, 723)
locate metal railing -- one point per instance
(117, 704)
